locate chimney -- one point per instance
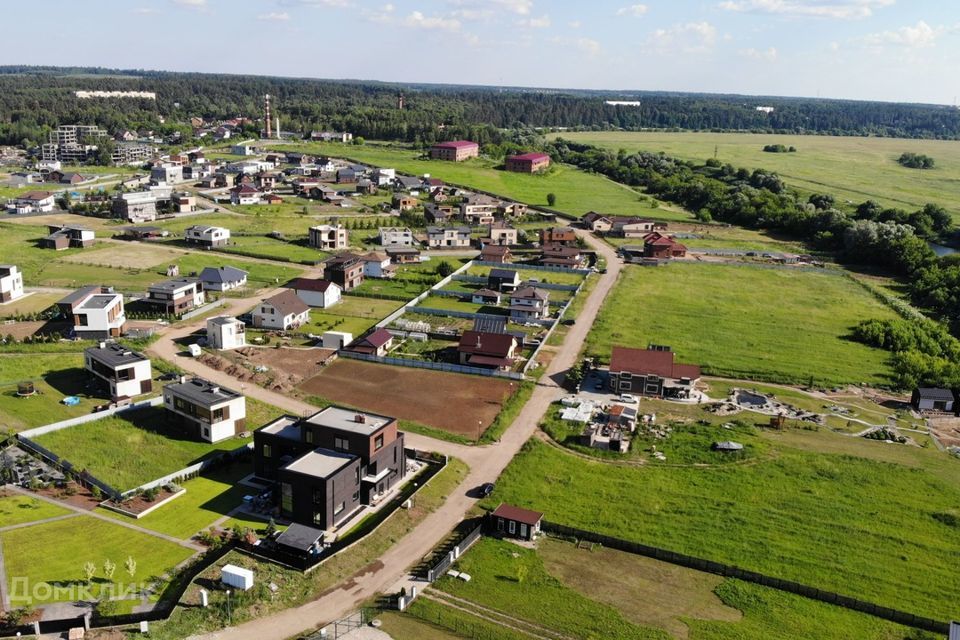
(266, 106)
(214, 389)
(360, 418)
(478, 341)
(183, 379)
(103, 345)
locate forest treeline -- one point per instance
(35, 99)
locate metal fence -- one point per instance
(531, 267)
(440, 567)
(80, 475)
(433, 366)
(343, 626)
(730, 571)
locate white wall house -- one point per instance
(222, 278)
(529, 303)
(396, 237)
(11, 282)
(126, 373)
(94, 312)
(317, 293)
(205, 410)
(32, 202)
(224, 332)
(283, 311)
(448, 237)
(377, 265)
(207, 236)
(329, 237)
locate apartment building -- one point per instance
(455, 150)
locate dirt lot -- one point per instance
(947, 430)
(448, 401)
(286, 367)
(126, 256)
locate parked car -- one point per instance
(486, 489)
(598, 385)
(628, 398)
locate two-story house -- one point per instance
(396, 237)
(529, 303)
(329, 237)
(224, 332)
(346, 270)
(558, 235)
(176, 296)
(11, 282)
(377, 265)
(32, 202)
(222, 278)
(204, 409)
(207, 236)
(448, 237)
(487, 350)
(502, 233)
(478, 209)
(281, 312)
(330, 464)
(125, 373)
(94, 313)
(316, 292)
(68, 236)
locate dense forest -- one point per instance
(35, 99)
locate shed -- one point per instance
(301, 539)
(933, 399)
(335, 339)
(727, 445)
(515, 522)
(234, 576)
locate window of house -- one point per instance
(341, 443)
(206, 432)
(267, 451)
(340, 508)
(318, 518)
(499, 524)
(378, 442)
(308, 436)
(513, 527)
(286, 497)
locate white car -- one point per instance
(629, 399)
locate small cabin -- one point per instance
(509, 521)
(930, 399)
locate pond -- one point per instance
(941, 250)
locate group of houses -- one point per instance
(462, 150)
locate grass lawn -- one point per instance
(847, 167)
(738, 321)
(54, 376)
(30, 303)
(55, 553)
(550, 277)
(447, 303)
(18, 509)
(405, 288)
(882, 532)
(353, 314)
(272, 249)
(577, 192)
(104, 447)
(208, 498)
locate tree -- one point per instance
(444, 269)
(551, 199)
(822, 201)
(108, 568)
(89, 570)
(131, 565)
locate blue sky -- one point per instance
(897, 50)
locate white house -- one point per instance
(448, 237)
(316, 292)
(32, 202)
(167, 174)
(207, 236)
(377, 265)
(329, 237)
(335, 339)
(126, 373)
(396, 237)
(222, 278)
(384, 177)
(283, 311)
(245, 194)
(224, 332)
(205, 410)
(94, 312)
(242, 149)
(11, 282)
(529, 303)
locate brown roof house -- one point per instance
(529, 303)
(377, 343)
(651, 372)
(662, 247)
(283, 311)
(509, 521)
(487, 350)
(496, 254)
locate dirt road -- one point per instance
(486, 464)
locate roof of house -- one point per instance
(321, 463)
(455, 144)
(495, 250)
(287, 302)
(432, 231)
(99, 301)
(174, 284)
(650, 361)
(222, 274)
(311, 284)
(510, 512)
(224, 320)
(496, 345)
(300, 536)
(377, 339)
(81, 294)
(486, 293)
(374, 256)
(530, 293)
(530, 156)
(34, 196)
(508, 274)
(115, 355)
(245, 189)
(401, 250)
(490, 324)
(934, 393)
(202, 392)
(360, 422)
(341, 260)
(205, 228)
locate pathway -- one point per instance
(486, 464)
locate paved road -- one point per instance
(486, 463)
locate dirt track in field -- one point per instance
(449, 401)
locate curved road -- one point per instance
(486, 464)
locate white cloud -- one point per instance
(418, 20)
(318, 3)
(635, 10)
(836, 9)
(191, 4)
(274, 16)
(691, 37)
(535, 23)
(588, 46)
(382, 15)
(575, 24)
(483, 9)
(144, 11)
(918, 36)
(766, 55)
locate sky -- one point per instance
(891, 50)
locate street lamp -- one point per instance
(229, 612)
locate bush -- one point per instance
(916, 161)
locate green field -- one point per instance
(54, 376)
(353, 314)
(577, 192)
(883, 532)
(54, 553)
(745, 322)
(104, 446)
(849, 168)
(18, 509)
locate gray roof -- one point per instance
(300, 536)
(222, 274)
(287, 427)
(503, 273)
(932, 393)
(223, 320)
(530, 293)
(99, 301)
(80, 294)
(346, 420)
(174, 284)
(437, 230)
(202, 392)
(321, 463)
(115, 355)
(287, 302)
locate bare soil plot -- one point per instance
(132, 255)
(448, 401)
